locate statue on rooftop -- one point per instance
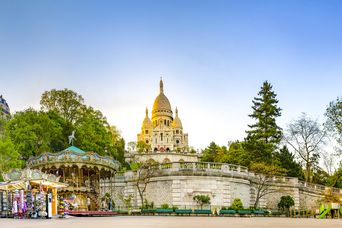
(72, 138)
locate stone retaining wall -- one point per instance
(177, 183)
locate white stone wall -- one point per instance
(309, 200)
(159, 192)
(178, 187)
(239, 189)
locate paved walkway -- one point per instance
(170, 222)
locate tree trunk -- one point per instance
(256, 202)
(307, 178)
(141, 196)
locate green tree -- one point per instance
(287, 161)
(92, 131)
(222, 152)
(236, 154)
(67, 103)
(118, 144)
(285, 203)
(202, 200)
(335, 180)
(237, 204)
(209, 154)
(334, 118)
(9, 157)
(33, 132)
(319, 176)
(143, 147)
(264, 135)
(60, 141)
(3, 123)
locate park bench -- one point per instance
(202, 212)
(148, 211)
(259, 212)
(183, 211)
(164, 211)
(276, 213)
(244, 212)
(227, 212)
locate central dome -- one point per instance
(161, 104)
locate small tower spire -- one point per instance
(176, 111)
(146, 112)
(161, 85)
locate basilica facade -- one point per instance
(164, 132)
(162, 136)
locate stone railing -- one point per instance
(318, 187)
(214, 168)
(230, 168)
(203, 166)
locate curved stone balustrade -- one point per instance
(212, 168)
(318, 187)
(200, 166)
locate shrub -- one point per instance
(202, 199)
(164, 206)
(174, 208)
(285, 203)
(148, 205)
(237, 204)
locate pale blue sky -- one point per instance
(213, 56)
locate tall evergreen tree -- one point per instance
(265, 135)
(287, 161)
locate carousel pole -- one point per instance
(100, 188)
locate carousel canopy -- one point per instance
(73, 155)
(12, 185)
(19, 179)
(74, 149)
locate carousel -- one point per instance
(84, 172)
